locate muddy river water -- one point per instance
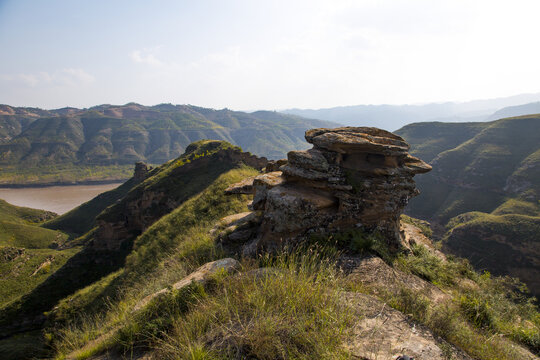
(59, 199)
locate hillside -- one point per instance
(29, 254)
(153, 193)
(102, 142)
(484, 188)
(210, 263)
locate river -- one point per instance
(59, 199)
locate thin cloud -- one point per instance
(145, 56)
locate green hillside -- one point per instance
(485, 190)
(299, 304)
(102, 143)
(18, 227)
(164, 189)
(28, 252)
(499, 160)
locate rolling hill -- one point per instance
(156, 279)
(102, 142)
(484, 191)
(29, 254)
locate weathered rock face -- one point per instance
(144, 205)
(141, 171)
(352, 177)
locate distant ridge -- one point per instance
(102, 142)
(392, 117)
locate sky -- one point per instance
(251, 54)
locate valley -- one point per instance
(483, 192)
(137, 268)
(101, 143)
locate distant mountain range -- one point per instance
(69, 144)
(392, 117)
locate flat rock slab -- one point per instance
(353, 139)
(385, 333)
(242, 187)
(237, 219)
(374, 273)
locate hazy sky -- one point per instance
(265, 54)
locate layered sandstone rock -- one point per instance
(353, 177)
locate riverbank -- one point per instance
(59, 199)
(75, 183)
(63, 175)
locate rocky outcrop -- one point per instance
(145, 204)
(353, 177)
(141, 171)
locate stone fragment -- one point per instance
(262, 184)
(274, 165)
(243, 187)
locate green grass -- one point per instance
(27, 255)
(518, 207)
(175, 245)
(484, 311)
(424, 226)
(21, 270)
(28, 345)
(478, 170)
(23, 215)
(19, 228)
(428, 139)
(295, 312)
(29, 236)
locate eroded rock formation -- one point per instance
(141, 171)
(353, 177)
(143, 205)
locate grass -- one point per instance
(432, 268)
(22, 270)
(518, 207)
(19, 227)
(29, 236)
(295, 312)
(23, 215)
(424, 226)
(27, 255)
(172, 247)
(475, 169)
(23, 346)
(484, 312)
